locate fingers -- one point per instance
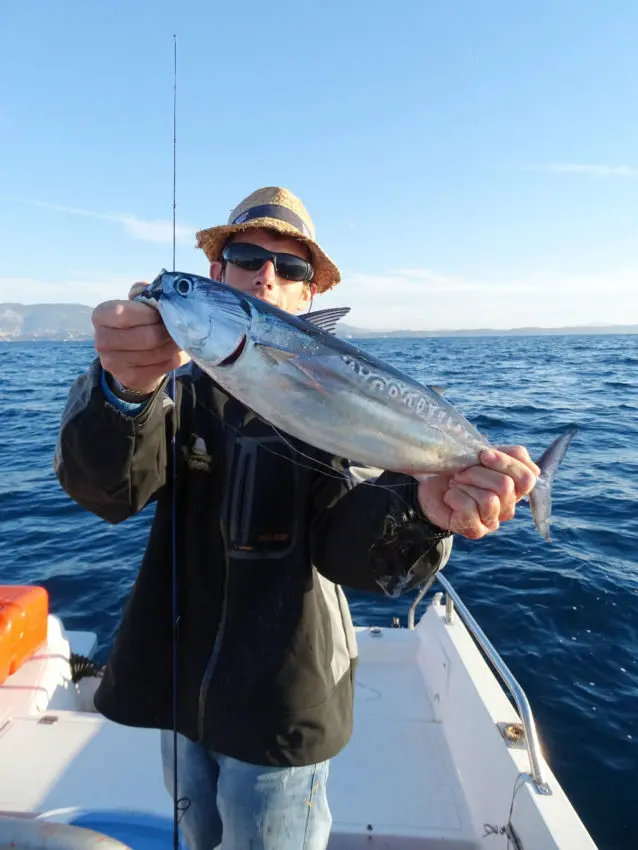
(487, 506)
(132, 359)
(474, 501)
(500, 484)
(133, 344)
(454, 507)
(145, 379)
(492, 490)
(124, 314)
(520, 453)
(133, 338)
(136, 289)
(431, 491)
(465, 518)
(522, 472)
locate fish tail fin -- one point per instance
(540, 499)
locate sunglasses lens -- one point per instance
(293, 268)
(252, 257)
(248, 257)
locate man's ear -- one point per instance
(216, 270)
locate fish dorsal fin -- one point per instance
(326, 319)
(437, 389)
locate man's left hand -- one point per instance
(474, 501)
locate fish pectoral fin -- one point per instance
(304, 366)
(277, 355)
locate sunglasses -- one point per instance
(252, 257)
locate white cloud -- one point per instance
(427, 300)
(593, 170)
(415, 282)
(79, 288)
(153, 230)
(415, 299)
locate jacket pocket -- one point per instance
(263, 505)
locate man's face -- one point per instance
(292, 296)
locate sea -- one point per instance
(563, 615)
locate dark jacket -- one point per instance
(266, 529)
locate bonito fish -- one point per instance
(301, 378)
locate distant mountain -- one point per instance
(349, 332)
(25, 322)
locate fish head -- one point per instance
(207, 319)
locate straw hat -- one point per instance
(275, 209)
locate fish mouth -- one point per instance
(151, 294)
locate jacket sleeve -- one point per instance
(370, 534)
(111, 462)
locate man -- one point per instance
(266, 532)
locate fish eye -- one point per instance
(183, 285)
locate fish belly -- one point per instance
(325, 410)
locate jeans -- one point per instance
(233, 805)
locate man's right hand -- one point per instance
(133, 344)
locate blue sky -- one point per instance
(466, 164)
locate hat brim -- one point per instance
(213, 239)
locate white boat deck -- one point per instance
(395, 781)
(426, 767)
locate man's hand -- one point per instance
(133, 344)
(474, 501)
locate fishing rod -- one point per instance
(174, 140)
(175, 612)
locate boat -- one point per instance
(445, 753)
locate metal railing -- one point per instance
(453, 602)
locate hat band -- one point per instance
(274, 211)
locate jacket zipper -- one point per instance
(214, 655)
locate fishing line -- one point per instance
(180, 806)
(177, 808)
(513, 841)
(317, 465)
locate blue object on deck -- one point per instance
(138, 830)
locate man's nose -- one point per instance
(266, 275)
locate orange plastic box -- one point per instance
(23, 625)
